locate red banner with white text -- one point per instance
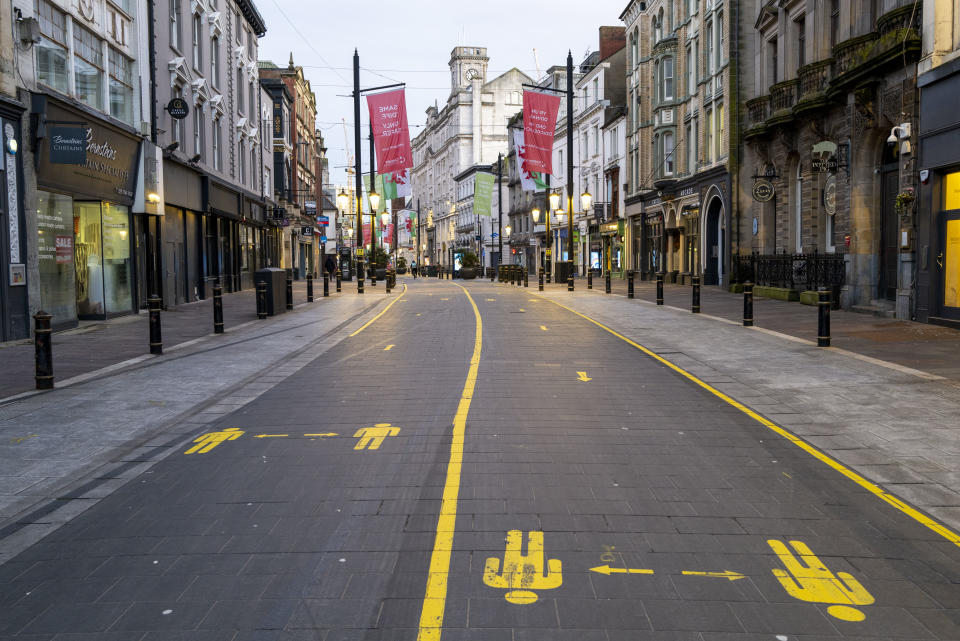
(391, 135)
(539, 122)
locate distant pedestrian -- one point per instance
(330, 265)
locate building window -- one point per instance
(691, 69)
(253, 103)
(691, 149)
(215, 61)
(88, 67)
(241, 163)
(834, 22)
(718, 112)
(176, 37)
(239, 90)
(708, 37)
(197, 34)
(253, 168)
(666, 68)
(801, 28)
(798, 210)
(719, 26)
(658, 26)
(176, 126)
(596, 89)
(774, 60)
(668, 154)
(708, 146)
(198, 130)
(121, 86)
(52, 48)
(215, 136)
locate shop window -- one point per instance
(102, 259)
(55, 257)
(52, 48)
(692, 239)
(121, 86)
(88, 67)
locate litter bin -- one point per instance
(276, 280)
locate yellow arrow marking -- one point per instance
(388, 348)
(522, 309)
(270, 435)
(606, 569)
(727, 574)
(543, 327)
(418, 314)
(322, 434)
(582, 376)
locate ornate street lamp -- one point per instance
(374, 199)
(586, 201)
(343, 200)
(536, 215)
(554, 201)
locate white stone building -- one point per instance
(470, 129)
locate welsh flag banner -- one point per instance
(483, 194)
(529, 180)
(391, 135)
(396, 184)
(366, 234)
(539, 122)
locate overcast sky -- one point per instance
(410, 42)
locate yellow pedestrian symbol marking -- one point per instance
(522, 573)
(726, 574)
(808, 579)
(388, 348)
(371, 438)
(322, 434)
(606, 569)
(543, 327)
(271, 436)
(210, 440)
(582, 376)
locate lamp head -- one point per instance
(342, 199)
(536, 215)
(374, 199)
(586, 200)
(507, 229)
(554, 200)
(385, 218)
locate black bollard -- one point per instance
(695, 304)
(748, 304)
(493, 273)
(526, 277)
(541, 280)
(548, 273)
(589, 279)
(261, 300)
(386, 283)
(373, 275)
(326, 284)
(156, 341)
(659, 288)
(338, 281)
(630, 284)
(606, 283)
(823, 317)
(309, 287)
(289, 290)
(43, 347)
(570, 279)
(217, 308)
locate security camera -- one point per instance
(892, 139)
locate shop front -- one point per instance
(181, 236)
(86, 178)
(222, 256)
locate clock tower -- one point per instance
(467, 64)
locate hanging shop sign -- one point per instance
(306, 231)
(178, 108)
(763, 190)
(823, 157)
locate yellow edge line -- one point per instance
(885, 496)
(435, 598)
(371, 321)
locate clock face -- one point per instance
(472, 74)
(86, 8)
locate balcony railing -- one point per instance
(783, 95)
(815, 77)
(758, 110)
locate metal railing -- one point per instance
(792, 271)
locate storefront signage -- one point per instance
(64, 249)
(68, 145)
(830, 195)
(823, 165)
(18, 274)
(689, 191)
(13, 221)
(178, 108)
(109, 170)
(306, 231)
(824, 157)
(311, 207)
(323, 220)
(763, 190)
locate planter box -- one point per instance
(777, 293)
(736, 288)
(468, 273)
(809, 297)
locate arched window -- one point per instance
(658, 26)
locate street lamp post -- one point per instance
(570, 170)
(499, 210)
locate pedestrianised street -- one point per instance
(476, 460)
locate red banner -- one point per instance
(391, 135)
(366, 234)
(539, 122)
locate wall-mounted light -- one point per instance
(12, 146)
(153, 197)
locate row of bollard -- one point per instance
(43, 346)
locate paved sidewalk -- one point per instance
(98, 344)
(898, 427)
(928, 348)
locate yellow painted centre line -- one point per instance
(887, 497)
(435, 597)
(388, 348)
(385, 309)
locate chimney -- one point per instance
(612, 40)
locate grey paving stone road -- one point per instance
(598, 495)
